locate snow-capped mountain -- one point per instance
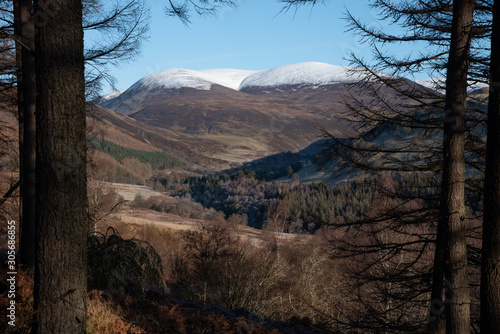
(308, 75)
(312, 74)
(237, 115)
(169, 82)
(177, 78)
(226, 105)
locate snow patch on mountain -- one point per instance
(173, 78)
(313, 74)
(110, 96)
(226, 77)
(439, 84)
(176, 78)
(310, 73)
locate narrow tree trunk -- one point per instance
(437, 323)
(61, 199)
(26, 108)
(20, 99)
(490, 265)
(457, 301)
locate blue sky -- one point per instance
(253, 36)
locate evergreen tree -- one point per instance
(60, 296)
(490, 265)
(396, 130)
(453, 177)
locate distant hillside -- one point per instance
(236, 116)
(127, 132)
(223, 118)
(157, 160)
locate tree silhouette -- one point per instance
(183, 9)
(490, 265)
(396, 127)
(121, 28)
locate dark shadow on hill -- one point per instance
(285, 164)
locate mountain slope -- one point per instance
(271, 111)
(173, 82)
(261, 124)
(128, 132)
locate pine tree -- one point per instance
(61, 199)
(453, 177)
(490, 265)
(397, 131)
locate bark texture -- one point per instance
(437, 323)
(61, 231)
(457, 302)
(490, 266)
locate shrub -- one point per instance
(107, 317)
(217, 269)
(103, 167)
(103, 200)
(140, 202)
(234, 220)
(187, 208)
(123, 265)
(142, 169)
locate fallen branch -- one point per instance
(10, 192)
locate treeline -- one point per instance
(312, 205)
(157, 160)
(299, 207)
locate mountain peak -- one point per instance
(173, 78)
(307, 75)
(313, 74)
(177, 78)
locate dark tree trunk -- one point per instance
(457, 302)
(61, 199)
(437, 320)
(490, 265)
(27, 132)
(20, 99)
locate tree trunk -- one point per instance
(61, 199)
(20, 99)
(490, 265)
(436, 320)
(457, 303)
(26, 109)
